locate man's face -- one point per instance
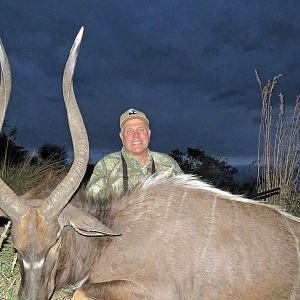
(135, 136)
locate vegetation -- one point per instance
(207, 167)
(9, 272)
(53, 153)
(278, 148)
(9, 150)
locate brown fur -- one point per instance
(182, 242)
(182, 239)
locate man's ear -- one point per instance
(121, 136)
(85, 223)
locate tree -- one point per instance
(10, 152)
(195, 161)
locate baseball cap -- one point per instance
(132, 114)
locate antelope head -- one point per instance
(37, 225)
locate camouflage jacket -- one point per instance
(106, 181)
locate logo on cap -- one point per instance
(132, 112)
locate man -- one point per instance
(118, 172)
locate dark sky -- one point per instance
(189, 65)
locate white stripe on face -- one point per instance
(35, 265)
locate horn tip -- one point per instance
(77, 41)
(80, 34)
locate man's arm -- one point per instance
(97, 188)
(175, 167)
(166, 162)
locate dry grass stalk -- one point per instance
(278, 149)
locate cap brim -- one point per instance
(134, 117)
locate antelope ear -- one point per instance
(85, 223)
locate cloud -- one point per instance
(232, 96)
(188, 64)
(174, 68)
(281, 33)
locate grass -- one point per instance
(279, 148)
(27, 174)
(9, 272)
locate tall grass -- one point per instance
(27, 174)
(279, 147)
(21, 177)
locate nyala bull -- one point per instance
(168, 239)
